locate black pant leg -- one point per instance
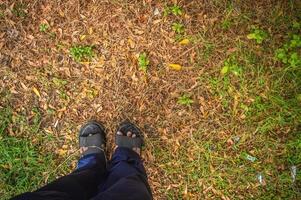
(79, 185)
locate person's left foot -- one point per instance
(92, 138)
(129, 135)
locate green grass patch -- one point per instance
(43, 28)
(178, 27)
(19, 10)
(22, 167)
(82, 53)
(143, 62)
(185, 100)
(258, 35)
(176, 10)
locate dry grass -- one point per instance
(38, 72)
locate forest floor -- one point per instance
(214, 85)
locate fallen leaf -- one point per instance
(163, 137)
(184, 42)
(90, 31)
(156, 11)
(131, 43)
(36, 91)
(175, 66)
(62, 152)
(230, 142)
(60, 32)
(23, 86)
(138, 32)
(61, 13)
(225, 70)
(157, 21)
(82, 37)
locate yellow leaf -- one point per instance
(85, 63)
(90, 31)
(225, 70)
(6, 166)
(82, 37)
(175, 66)
(36, 91)
(62, 14)
(62, 152)
(184, 42)
(131, 43)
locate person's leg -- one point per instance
(126, 178)
(82, 183)
(125, 162)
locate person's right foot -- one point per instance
(129, 135)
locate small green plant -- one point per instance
(296, 25)
(208, 50)
(2, 9)
(185, 99)
(44, 27)
(143, 62)
(293, 147)
(82, 53)
(288, 54)
(59, 82)
(175, 10)
(226, 24)
(19, 10)
(178, 28)
(295, 42)
(258, 35)
(231, 65)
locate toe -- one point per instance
(83, 149)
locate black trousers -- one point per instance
(124, 177)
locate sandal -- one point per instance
(129, 142)
(92, 135)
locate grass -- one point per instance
(178, 27)
(185, 99)
(82, 53)
(21, 164)
(2, 9)
(176, 10)
(143, 61)
(19, 10)
(223, 125)
(258, 35)
(43, 28)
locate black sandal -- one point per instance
(93, 136)
(129, 142)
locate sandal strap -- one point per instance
(91, 140)
(92, 150)
(128, 142)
